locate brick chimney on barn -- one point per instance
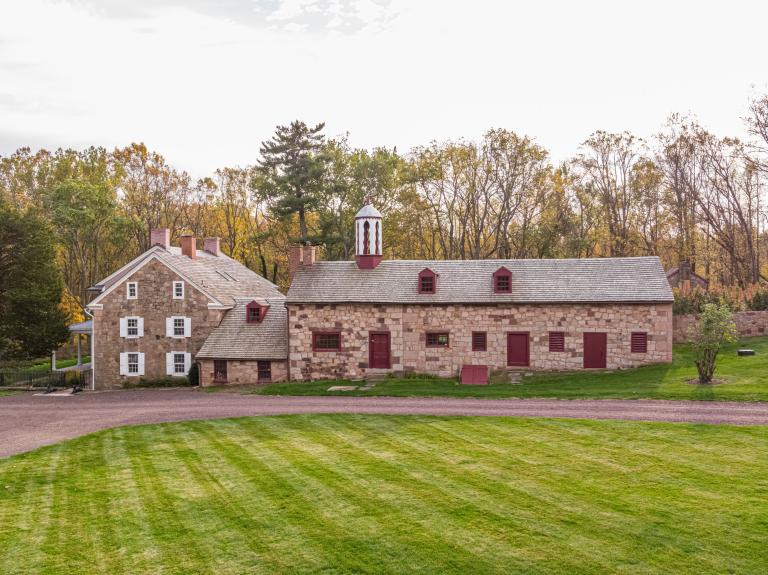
(300, 256)
(160, 237)
(189, 246)
(212, 246)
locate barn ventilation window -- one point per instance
(427, 281)
(437, 339)
(326, 341)
(479, 341)
(639, 342)
(502, 280)
(556, 341)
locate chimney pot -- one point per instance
(212, 246)
(189, 246)
(160, 237)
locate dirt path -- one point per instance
(28, 421)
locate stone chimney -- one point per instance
(212, 246)
(309, 255)
(160, 237)
(299, 256)
(189, 246)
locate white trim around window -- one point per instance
(132, 290)
(132, 364)
(178, 327)
(177, 363)
(132, 327)
(178, 290)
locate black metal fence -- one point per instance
(47, 380)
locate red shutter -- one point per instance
(479, 341)
(639, 342)
(556, 341)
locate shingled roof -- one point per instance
(222, 277)
(234, 338)
(592, 280)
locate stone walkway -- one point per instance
(28, 421)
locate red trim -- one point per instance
(556, 341)
(427, 273)
(502, 272)
(262, 312)
(479, 345)
(389, 351)
(368, 262)
(639, 342)
(437, 334)
(321, 333)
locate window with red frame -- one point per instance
(502, 280)
(437, 339)
(556, 341)
(639, 342)
(326, 341)
(427, 281)
(254, 312)
(479, 341)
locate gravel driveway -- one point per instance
(28, 421)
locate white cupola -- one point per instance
(368, 245)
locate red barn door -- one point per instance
(517, 348)
(595, 350)
(378, 350)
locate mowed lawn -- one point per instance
(385, 494)
(743, 379)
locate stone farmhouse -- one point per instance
(354, 319)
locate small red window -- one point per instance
(326, 341)
(639, 342)
(479, 341)
(437, 339)
(254, 312)
(502, 280)
(427, 281)
(556, 341)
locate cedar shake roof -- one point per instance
(222, 277)
(235, 338)
(593, 280)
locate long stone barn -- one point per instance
(353, 319)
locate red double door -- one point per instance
(378, 350)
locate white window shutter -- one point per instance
(169, 327)
(123, 327)
(141, 326)
(141, 364)
(187, 327)
(169, 363)
(187, 362)
(123, 363)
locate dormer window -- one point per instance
(254, 312)
(427, 281)
(502, 280)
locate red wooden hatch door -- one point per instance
(378, 351)
(595, 350)
(517, 349)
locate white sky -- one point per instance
(203, 82)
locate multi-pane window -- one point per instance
(179, 363)
(437, 339)
(220, 370)
(427, 284)
(132, 327)
(639, 342)
(133, 363)
(502, 284)
(326, 341)
(178, 290)
(178, 327)
(479, 341)
(265, 370)
(132, 290)
(254, 314)
(556, 341)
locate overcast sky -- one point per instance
(204, 81)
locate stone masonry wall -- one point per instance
(155, 303)
(408, 325)
(748, 324)
(242, 372)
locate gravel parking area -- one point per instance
(29, 421)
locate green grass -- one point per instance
(745, 379)
(385, 494)
(41, 365)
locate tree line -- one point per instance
(686, 194)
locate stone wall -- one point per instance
(748, 324)
(408, 325)
(241, 372)
(155, 303)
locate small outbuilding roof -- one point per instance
(590, 280)
(235, 338)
